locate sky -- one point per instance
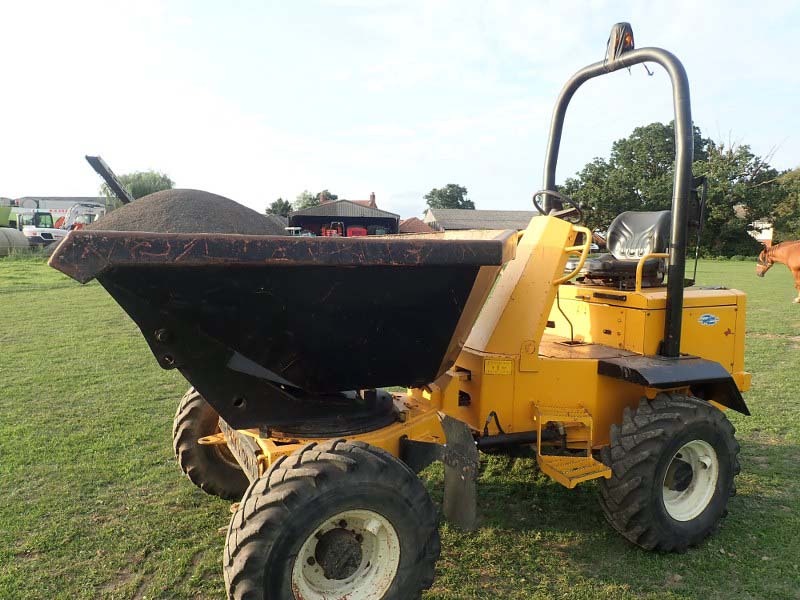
(260, 100)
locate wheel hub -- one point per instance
(679, 475)
(690, 480)
(339, 553)
(354, 554)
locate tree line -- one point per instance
(138, 184)
(742, 187)
(637, 175)
(450, 196)
(143, 183)
(304, 200)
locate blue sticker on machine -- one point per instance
(708, 319)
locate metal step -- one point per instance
(569, 471)
(562, 414)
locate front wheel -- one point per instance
(212, 468)
(334, 520)
(673, 460)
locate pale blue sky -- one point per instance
(256, 100)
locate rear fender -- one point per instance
(707, 379)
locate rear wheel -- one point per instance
(673, 459)
(212, 468)
(335, 520)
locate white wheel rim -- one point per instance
(686, 495)
(354, 554)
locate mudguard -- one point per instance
(706, 378)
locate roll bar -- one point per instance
(682, 183)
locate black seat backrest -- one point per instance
(633, 234)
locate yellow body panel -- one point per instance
(514, 398)
(519, 305)
(623, 323)
(519, 369)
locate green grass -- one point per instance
(92, 504)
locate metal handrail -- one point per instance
(640, 266)
(582, 248)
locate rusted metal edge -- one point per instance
(83, 255)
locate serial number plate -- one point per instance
(498, 366)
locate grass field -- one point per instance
(92, 504)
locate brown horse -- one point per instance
(787, 253)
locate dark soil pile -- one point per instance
(187, 211)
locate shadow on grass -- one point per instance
(538, 539)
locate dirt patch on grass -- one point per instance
(120, 580)
(793, 339)
(27, 555)
(773, 336)
(124, 579)
(139, 593)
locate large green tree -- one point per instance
(326, 196)
(139, 184)
(305, 200)
(786, 212)
(279, 207)
(636, 176)
(450, 196)
(742, 187)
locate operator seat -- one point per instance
(630, 236)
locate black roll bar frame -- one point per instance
(682, 183)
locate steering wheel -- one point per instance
(573, 214)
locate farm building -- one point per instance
(353, 217)
(414, 225)
(445, 219)
(55, 203)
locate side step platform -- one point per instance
(569, 471)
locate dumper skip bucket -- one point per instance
(266, 327)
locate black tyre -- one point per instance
(212, 468)
(333, 520)
(673, 459)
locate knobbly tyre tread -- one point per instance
(276, 496)
(634, 450)
(208, 472)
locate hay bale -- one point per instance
(187, 211)
(12, 240)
